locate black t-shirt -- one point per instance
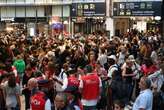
(27, 94)
(128, 79)
(26, 78)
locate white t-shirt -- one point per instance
(121, 58)
(76, 107)
(65, 84)
(48, 105)
(62, 76)
(154, 56)
(11, 100)
(157, 79)
(102, 59)
(111, 69)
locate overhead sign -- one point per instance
(147, 8)
(88, 9)
(7, 19)
(80, 1)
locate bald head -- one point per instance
(32, 83)
(144, 83)
(59, 101)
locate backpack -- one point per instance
(119, 89)
(118, 72)
(106, 66)
(38, 101)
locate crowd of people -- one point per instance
(82, 72)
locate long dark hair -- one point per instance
(148, 62)
(12, 81)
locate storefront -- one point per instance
(34, 14)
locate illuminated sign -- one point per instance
(88, 9)
(7, 19)
(147, 8)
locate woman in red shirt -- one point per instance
(148, 67)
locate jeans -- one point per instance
(129, 94)
(89, 107)
(13, 108)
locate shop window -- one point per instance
(40, 11)
(3, 1)
(20, 1)
(39, 1)
(30, 12)
(3, 12)
(10, 1)
(29, 1)
(10, 12)
(48, 11)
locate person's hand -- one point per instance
(55, 78)
(99, 98)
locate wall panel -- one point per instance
(20, 11)
(30, 12)
(40, 11)
(10, 12)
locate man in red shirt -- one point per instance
(90, 86)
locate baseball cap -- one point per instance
(112, 57)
